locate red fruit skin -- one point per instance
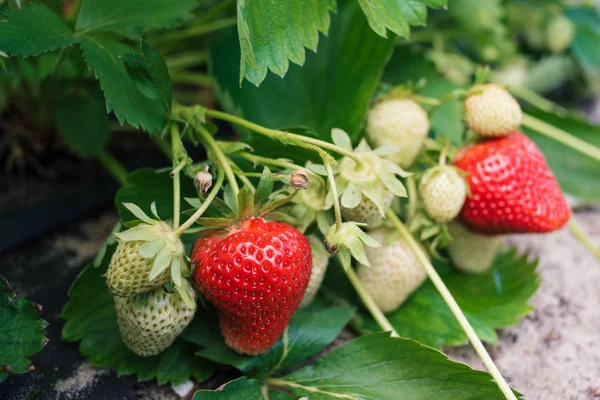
(512, 188)
(255, 274)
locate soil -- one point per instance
(552, 354)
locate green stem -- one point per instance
(279, 163)
(62, 56)
(185, 60)
(211, 196)
(336, 201)
(561, 136)
(368, 301)
(411, 188)
(536, 100)
(216, 10)
(444, 154)
(583, 237)
(163, 146)
(192, 78)
(176, 146)
(430, 101)
(453, 305)
(209, 141)
(284, 137)
(114, 167)
(195, 31)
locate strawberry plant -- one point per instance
(366, 183)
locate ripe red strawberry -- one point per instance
(255, 273)
(512, 188)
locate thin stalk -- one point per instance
(192, 78)
(430, 101)
(411, 188)
(62, 56)
(185, 60)
(195, 31)
(114, 167)
(453, 305)
(561, 136)
(444, 154)
(368, 301)
(216, 10)
(209, 141)
(336, 201)
(583, 237)
(536, 100)
(176, 146)
(284, 137)
(279, 163)
(211, 196)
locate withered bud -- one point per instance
(332, 248)
(203, 180)
(299, 180)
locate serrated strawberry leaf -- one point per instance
(242, 388)
(145, 186)
(397, 15)
(21, 335)
(271, 33)
(378, 366)
(493, 300)
(122, 94)
(33, 30)
(331, 90)
(137, 15)
(308, 333)
(91, 320)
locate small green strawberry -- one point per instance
(443, 192)
(491, 111)
(472, 252)
(399, 122)
(149, 328)
(147, 256)
(366, 212)
(394, 274)
(320, 260)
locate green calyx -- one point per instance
(368, 174)
(348, 241)
(162, 245)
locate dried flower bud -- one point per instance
(203, 180)
(299, 180)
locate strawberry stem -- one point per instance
(284, 137)
(561, 136)
(583, 237)
(444, 154)
(336, 201)
(256, 159)
(209, 141)
(211, 196)
(114, 167)
(453, 305)
(538, 101)
(411, 188)
(176, 146)
(370, 304)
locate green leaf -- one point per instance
(122, 95)
(493, 300)
(32, 31)
(332, 90)
(397, 15)
(264, 188)
(241, 388)
(82, 121)
(21, 334)
(585, 45)
(139, 15)
(145, 186)
(378, 366)
(272, 32)
(91, 319)
(577, 174)
(308, 333)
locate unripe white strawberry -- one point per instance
(320, 260)
(560, 32)
(472, 252)
(400, 122)
(150, 328)
(367, 212)
(491, 111)
(394, 274)
(128, 272)
(443, 192)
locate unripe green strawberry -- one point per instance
(367, 212)
(148, 329)
(399, 122)
(472, 252)
(491, 111)
(559, 34)
(394, 274)
(128, 272)
(443, 192)
(320, 260)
